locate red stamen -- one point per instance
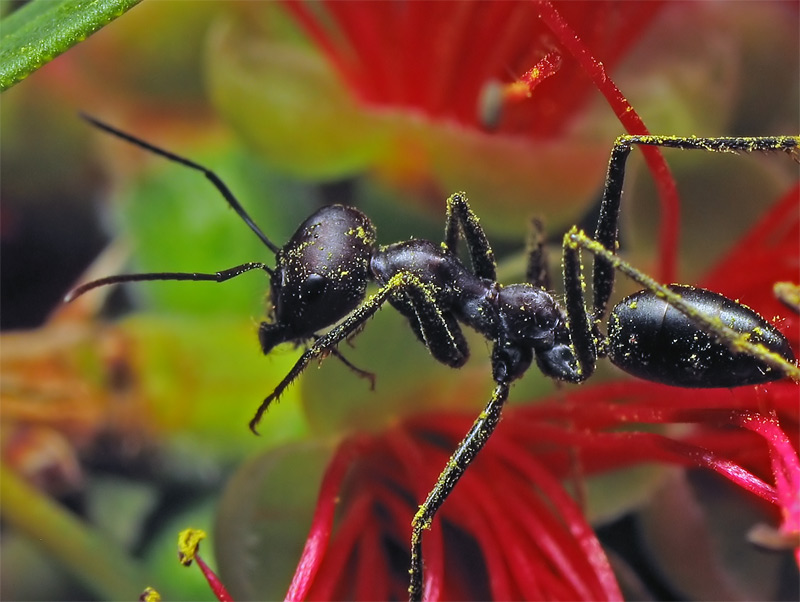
(552, 490)
(545, 571)
(322, 523)
(512, 555)
(612, 450)
(328, 580)
(785, 467)
(668, 193)
(188, 551)
(213, 581)
(416, 469)
(360, 22)
(523, 87)
(372, 572)
(342, 59)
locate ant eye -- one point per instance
(314, 285)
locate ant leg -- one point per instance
(193, 276)
(461, 218)
(607, 225)
(537, 271)
(402, 283)
(738, 342)
(212, 177)
(358, 371)
(437, 330)
(788, 293)
(440, 333)
(462, 457)
(584, 339)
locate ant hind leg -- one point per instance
(737, 342)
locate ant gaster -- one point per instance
(678, 335)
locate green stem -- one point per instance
(100, 564)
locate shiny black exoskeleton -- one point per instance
(677, 335)
(321, 275)
(649, 338)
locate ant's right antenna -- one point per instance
(214, 178)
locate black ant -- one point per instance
(678, 335)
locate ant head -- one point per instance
(533, 318)
(306, 303)
(321, 275)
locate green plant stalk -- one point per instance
(42, 29)
(91, 557)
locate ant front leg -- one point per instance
(461, 218)
(402, 283)
(509, 362)
(366, 374)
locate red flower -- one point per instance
(444, 98)
(437, 58)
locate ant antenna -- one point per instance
(220, 276)
(214, 178)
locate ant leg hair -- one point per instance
(458, 463)
(214, 178)
(401, 283)
(370, 376)
(461, 218)
(607, 225)
(737, 342)
(221, 276)
(537, 271)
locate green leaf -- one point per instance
(41, 30)
(178, 222)
(284, 101)
(264, 518)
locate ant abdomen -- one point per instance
(649, 338)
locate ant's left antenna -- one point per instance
(214, 178)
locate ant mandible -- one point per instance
(678, 335)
